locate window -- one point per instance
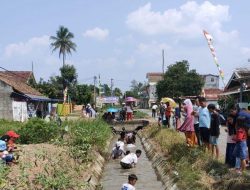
(212, 79)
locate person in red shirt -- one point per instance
(240, 150)
(168, 114)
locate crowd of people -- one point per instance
(201, 124)
(8, 148)
(125, 150)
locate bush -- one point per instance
(6, 125)
(140, 115)
(38, 131)
(86, 134)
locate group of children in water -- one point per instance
(129, 157)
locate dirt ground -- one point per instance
(45, 166)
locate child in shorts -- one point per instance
(240, 150)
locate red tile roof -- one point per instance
(18, 84)
(212, 93)
(24, 76)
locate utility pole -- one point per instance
(112, 84)
(163, 64)
(95, 78)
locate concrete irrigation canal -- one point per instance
(114, 176)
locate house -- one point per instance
(239, 82)
(153, 79)
(211, 90)
(18, 100)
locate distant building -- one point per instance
(153, 78)
(211, 81)
(211, 89)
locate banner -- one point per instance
(211, 47)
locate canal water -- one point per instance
(114, 176)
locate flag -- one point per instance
(209, 39)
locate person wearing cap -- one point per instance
(11, 142)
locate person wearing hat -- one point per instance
(10, 139)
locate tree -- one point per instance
(63, 42)
(117, 92)
(138, 89)
(179, 81)
(83, 94)
(107, 90)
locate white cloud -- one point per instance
(245, 51)
(153, 48)
(97, 33)
(25, 48)
(187, 21)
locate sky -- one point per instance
(124, 39)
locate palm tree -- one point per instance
(62, 41)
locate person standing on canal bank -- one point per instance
(196, 108)
(154, 110)
(214, 129)
(129, 111)
(188, 125)
(204, 122)
(130, 160)
(240, 150)
(132, 179)
(230, 159)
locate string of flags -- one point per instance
(211, 47)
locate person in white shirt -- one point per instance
(154, 108)
(118, 150)
(132, 179)
(130, 160)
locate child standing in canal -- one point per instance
(132, 178)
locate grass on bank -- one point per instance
(140, 115)
(53, 157)
(190, 168)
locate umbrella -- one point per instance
(172, 103)
(130, 99)
(112, 110)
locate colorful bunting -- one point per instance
(211, 47)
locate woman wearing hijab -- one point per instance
(188, 125)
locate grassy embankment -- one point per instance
(52, 157)
(140, 115)
(192, 168)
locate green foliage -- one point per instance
(59, 180)
(63, 42)
(179, 81)
(6, 125)
(140, 115)
(189, 166)
(38, 131)
(226, 103)
(3, 172)
(85, 135)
